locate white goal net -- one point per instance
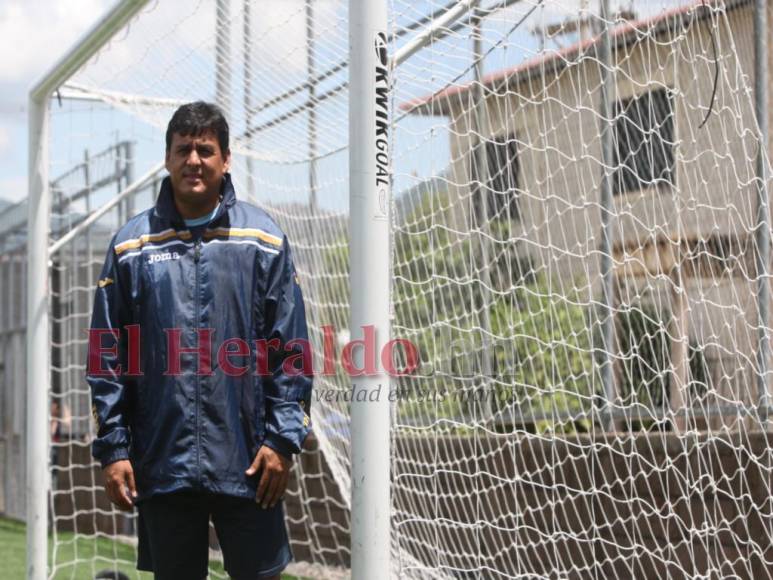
(576, 254)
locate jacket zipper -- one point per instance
(196, 258)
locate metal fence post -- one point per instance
(763, 220)
(607, 272)
(480, 217)
(223, 56)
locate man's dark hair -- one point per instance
(194, 119)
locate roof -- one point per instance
(554, 61)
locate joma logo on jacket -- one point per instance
(153, 258)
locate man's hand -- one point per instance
(273, 478)
(119, 484)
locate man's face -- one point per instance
(196, 166)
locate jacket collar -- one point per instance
(166, 208)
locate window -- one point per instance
(503, 174)
(644, 138)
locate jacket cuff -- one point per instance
(280, 445)
(117, 454)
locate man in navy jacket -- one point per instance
(197, 328)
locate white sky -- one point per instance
(38, 32)
(34, 34)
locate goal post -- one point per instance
(369, 251)
(38, 345)
(38, 323)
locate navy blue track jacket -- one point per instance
(235, 277)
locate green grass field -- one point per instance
(75, 558)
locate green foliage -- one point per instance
(534, 357)
(537, 346)
(534, 354)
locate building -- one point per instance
(683, 191)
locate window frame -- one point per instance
(662, 172)
(503, 203)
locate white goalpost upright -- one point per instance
(369, 251)
(38, 337)
(37, 340)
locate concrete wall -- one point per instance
(654, 506)
(651, 507)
